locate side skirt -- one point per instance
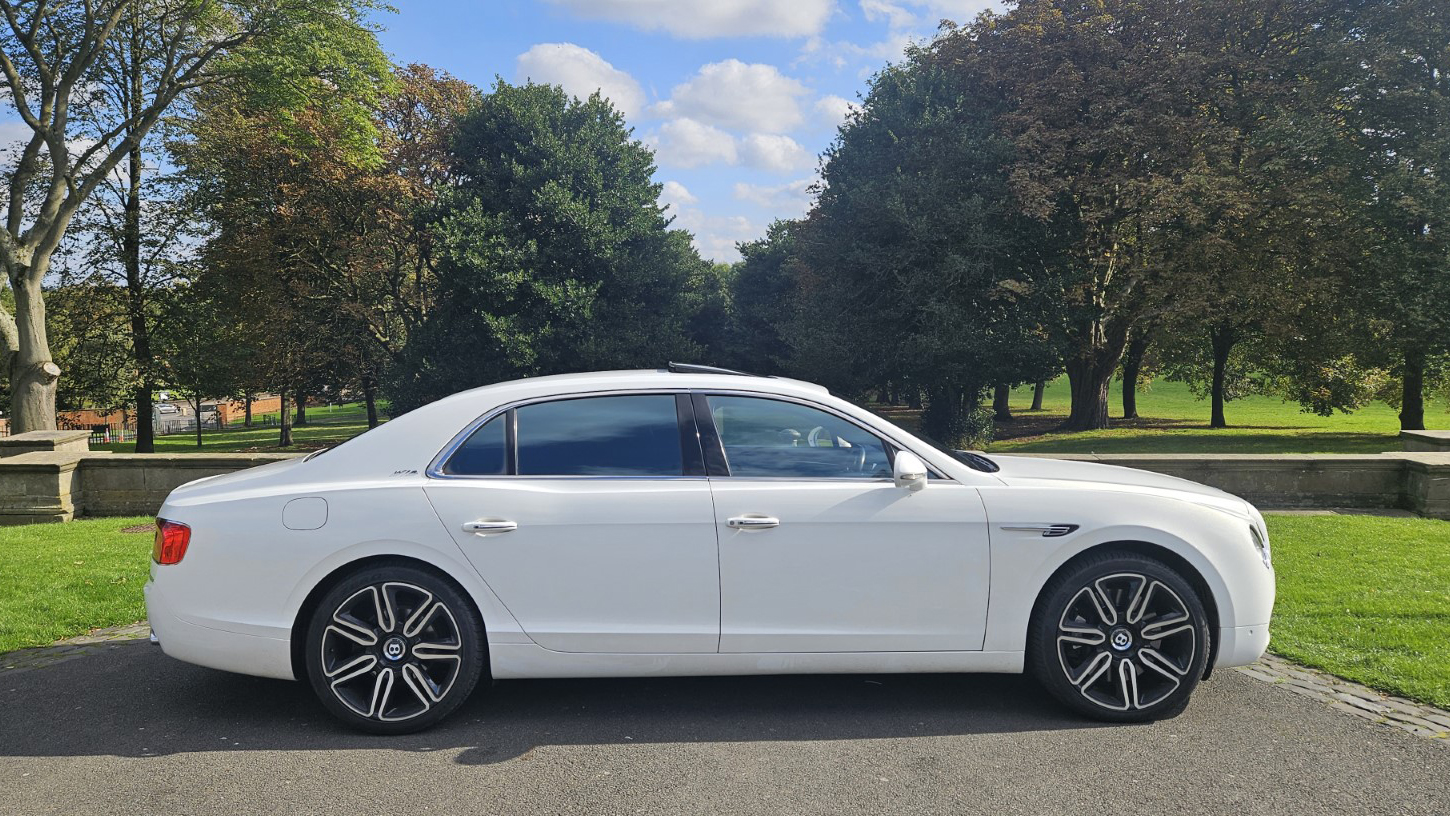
(514, 661)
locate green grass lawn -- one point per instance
(1366, 598)
(62, 580)
(1363, 597)
(1175, 421)
(327, 426)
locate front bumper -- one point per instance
(1241, 645)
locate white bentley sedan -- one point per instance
(694, 521)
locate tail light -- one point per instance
(171, 540)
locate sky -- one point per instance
(738, 98)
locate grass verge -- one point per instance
(62, 580)
(1366, 598)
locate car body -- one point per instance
(775, 548)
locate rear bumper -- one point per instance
(1241, 645)
(215, 648)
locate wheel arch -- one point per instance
(314, 597)
(1190, 573)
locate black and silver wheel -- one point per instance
(394, 649)
(1121, 637)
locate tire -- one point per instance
(1120, 637)
(394, 649)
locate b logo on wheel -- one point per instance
(394, 649)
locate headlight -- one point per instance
(1261, 543)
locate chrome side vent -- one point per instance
(1047, 530)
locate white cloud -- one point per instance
(715, 236)
(792, 198)
(834, 109)
(777, 153)
(677, 196)
(733, 94)
(895, 15)
(581, 72)
(687, 143)
(704, 19)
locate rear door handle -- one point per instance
(752, 522)
(485, 526)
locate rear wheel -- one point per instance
(1120, 637)
(391, 650)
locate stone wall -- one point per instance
(1365, 481)
(52, 477)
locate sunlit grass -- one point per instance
(62, 580)
(1366, 598)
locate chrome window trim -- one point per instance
(435, 467)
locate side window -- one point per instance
(600, 436)
(766, 437)
(484, 453)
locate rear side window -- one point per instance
(600, 436)
(484, 453)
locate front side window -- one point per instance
(600, 436)
(771, 438)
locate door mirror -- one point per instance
(908, 471)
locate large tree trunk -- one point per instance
(1037, 392)
(284, 438)
(370, 398)
(1412, 399)
(136, 306)
(1132, 367)
(131, 259)
(1090, 372)
(1222, 339)
(196, 403)
(301, 409)
(247, 409)
(33, 375)
(1002, 403)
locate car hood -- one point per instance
(1038, 471)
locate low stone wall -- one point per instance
(57, 479)
(1369, 481)
(136, 484)
(53, 476)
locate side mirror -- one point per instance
(908, 471)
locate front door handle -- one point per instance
(752, 522)
(485, 526)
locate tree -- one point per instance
(912, 269)
(1398, 111)
(763, 296)
(201, 346)
(53, 58)
(553, 252)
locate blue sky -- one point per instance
(737, 97)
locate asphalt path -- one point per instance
(130, 731)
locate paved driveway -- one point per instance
(130, 731)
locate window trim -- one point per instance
(710, 438)
(435, 467)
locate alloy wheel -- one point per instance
(391, 651)
(1126, 641)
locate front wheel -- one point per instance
(392, 650)
(1120, 637)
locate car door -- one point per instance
(821, 552)
(591, 519)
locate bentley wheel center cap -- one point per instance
(1121, 639)
(394, 648)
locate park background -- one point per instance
(1107, 226)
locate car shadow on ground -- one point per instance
(133, 701)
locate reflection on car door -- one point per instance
(592, 521)
(821, 552)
